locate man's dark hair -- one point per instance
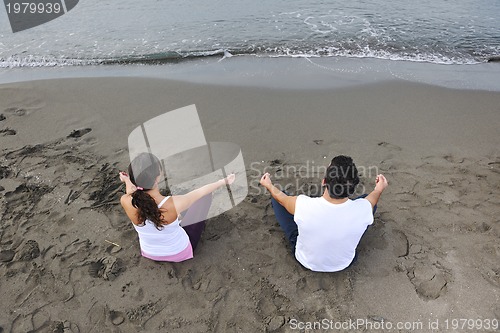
(341, 177)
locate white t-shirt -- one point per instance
(329, 233)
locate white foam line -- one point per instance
(332, 69)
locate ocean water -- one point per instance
(147, 31)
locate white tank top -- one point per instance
(170, 240)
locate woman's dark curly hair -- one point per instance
(341, 177)
(143, 172)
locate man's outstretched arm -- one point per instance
(380, 185)
(286, 201)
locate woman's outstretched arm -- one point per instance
(183, 202)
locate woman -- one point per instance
(156, 218)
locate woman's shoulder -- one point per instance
(130, 210)
(126, 200)
(168, 202)
(168, 210)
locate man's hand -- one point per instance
(283, 199)
(266, 180)
(381, 183)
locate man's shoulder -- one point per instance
(362, 206)
(302, 201)
(360, 202)
(305, 198)
(307, 202)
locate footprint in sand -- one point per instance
(400, 244)
(116, 317)
(57, 327)
(107, 268)
(17, 111)
(275, 323)
(489, 264)
(5, 172)
(428, 276)
(269, 290)
(421, 265)
(275, 162)
(389, 146)
(78, 250)
(29, 251)
(79, 132)
(7, 255)
(430, 280)
(453, 159)
(337, 288)
(7, 131)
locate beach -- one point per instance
(70, 259)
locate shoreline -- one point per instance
(282, 72)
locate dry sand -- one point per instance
(432, 254)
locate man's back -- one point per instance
(329, 233)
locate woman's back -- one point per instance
(169, 240)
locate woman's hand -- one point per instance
(129, 187)
(124, 177)
(229, 179)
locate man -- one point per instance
(325, 231)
